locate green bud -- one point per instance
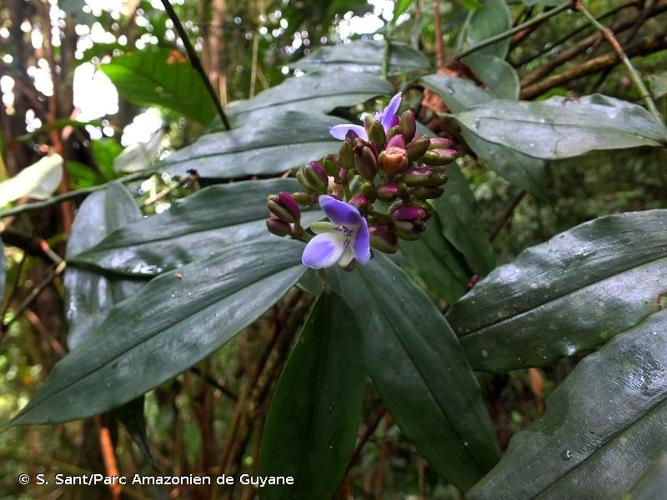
(365, 162)
(278, 210)
(409, 230)
(345, 156)
(331, 165)
(439, 156)
(427, 192)
(408, 125)
(304, 198)
(383, 238)
(424, 176)
(278, 227)
(377, 135)
(417, 147)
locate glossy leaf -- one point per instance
(193, 228)
(420, 370)
(104, 152)
(271, 146)
(570, 294)
(491, 18)
(140, 155)
(315, 411)
(456, 209)
(601, 429)
(653, 483)
(173, 322)
(318, 92)
(161, 77)
(560, 127)
(521, 170)
(38, 181)
(496, 74)
(435, 261)
(364, 56)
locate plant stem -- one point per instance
(195, 62)
(618, 49)
(386, 55)
(516, 29)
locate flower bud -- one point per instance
(304, 198)
(427, 192)
(392, 160)
(409, 230)
(439, 156)
(408, 125)
(361, 201)
(368, 190)
(313, 177)
(377, 135)
(417, 147)
(345, 158)
(424, 176)
(365, 161)
(331, 165)
(409, 213)
(278, 227)
(388, 192)
(396, 142)
(383, 238)
(283, 207)
(393, 132)
(441, 143)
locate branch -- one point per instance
(648, 45)
(195, 62)
(506, 34)
(506, 216)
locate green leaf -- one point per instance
(140, 155)
(497, 74)
(161, 77)
(658, 83)
(174, 321)
(561, 128)
(601, 428)
(38, 181)
(435, 261)
(318, 92)
(316, 408)
(524, 171)
(3, 270)
(456, 209)
(193, 228)
(105, 152)
(400, 7)
(653, 483)
(364, 56)
(491, 18)
(272, 146)
(572, 293)
(420, 370)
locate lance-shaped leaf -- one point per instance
(38, 181)
(364, 56)
(315, 411)
(490, 18)
(560, 127)
(193, 228)
(653, 482)
(495, 73)
(173, 322)
(572, 293)
(318, 92)
(601, 429)
(271, 146)
(524, 171)
(161, 77)
(420, 370)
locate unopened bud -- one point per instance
(393, 132)
(365, 161)
(284, 207)
(424, 176)
(396, 142)
(427, 192)
(278, 227)
(408, 125)
(388, 192)
(383, 238)
(441, 143)
(304, 198)
(393, 160)
(313, 177)
(376, 134)
(408, 213)
(368, 190)
(417, 147)
(331, 165)
(439, 156)
(409, 230)
(345, 157)
(362, 202)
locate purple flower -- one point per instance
(387, 117)
(340, 241)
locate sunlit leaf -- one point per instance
(38, 181)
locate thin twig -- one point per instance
(516, 29)
(368, 432)
(616, 46)
(195, 62)
(506, 216)
(215, 384)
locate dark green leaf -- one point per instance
(658, 83)
(161, 77)
(318, 92)
(560, 128)
(131, 415)
(491, 18)
(420, 370)
(456, 209)
(653, 482)
(524, 171)
(172, 323)
(435, 261)
(193, 228)
(315, 411)
(364, 56)
(601, 429)
(572, 293)
(271, 146)
(496, 73)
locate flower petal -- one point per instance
(389, 113)
(362, 243)
(340, 212)
(346, 258)
(323, 250)
(340, 131)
